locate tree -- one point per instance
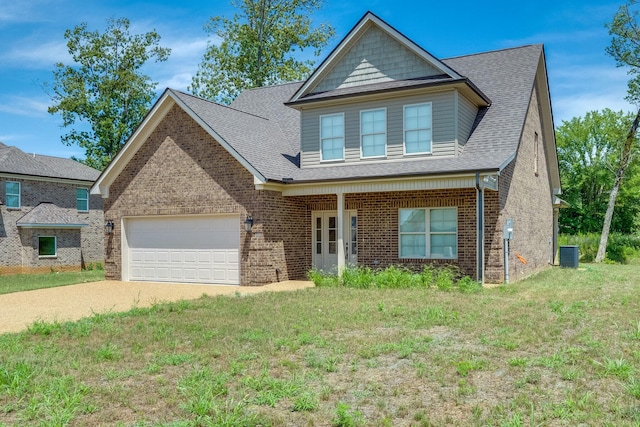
(588, 157)
(257, 47)
(625, 49)
(104, 90)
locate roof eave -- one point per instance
(481, 99)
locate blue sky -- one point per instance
(581, 76)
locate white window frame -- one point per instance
(405, 130)
(78, 199)
(55, 246)
(7, 194)
(428, 233)
(363, 134)
(322, 139)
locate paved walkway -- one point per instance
(19, 310)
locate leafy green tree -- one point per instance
(258, 47)
(625, 49)
(588, 154)
(104, 91)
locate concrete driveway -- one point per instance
(19, 310)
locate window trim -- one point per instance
(6, 194)
(55, 246)
(342, 115)
(362, 134)
(404, 129)
(86, 191)
(428, 233)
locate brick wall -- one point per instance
(525, 197)
(19, 247)
(378, 224)
(182, 170)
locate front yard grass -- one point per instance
(29, 282)
(561, 348)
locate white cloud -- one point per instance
(22, 106)
(31, 53)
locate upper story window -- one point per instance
(332, 137)
(12, 194)
(428, 233)
(373, 133)
(417, 128)
(82, 199)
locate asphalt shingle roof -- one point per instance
(265, 132)
(48, 214)
(14, 160)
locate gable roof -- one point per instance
(15, 161)
(365, 24)
(263, 133)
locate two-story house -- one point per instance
(48, 219)
(385, 155)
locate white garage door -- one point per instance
(189, 249)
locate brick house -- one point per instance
(48, 219)
(384, 155)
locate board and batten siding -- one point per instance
(443, 127)
(467, 113)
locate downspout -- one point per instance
(480, 229)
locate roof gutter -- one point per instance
(480, 229)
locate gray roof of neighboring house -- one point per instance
(15, 161)
(265, 132)
(49, 215)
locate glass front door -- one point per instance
(325, 239)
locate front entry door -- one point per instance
(325, 239)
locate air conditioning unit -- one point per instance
(569, 256)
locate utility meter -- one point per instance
(508, 229)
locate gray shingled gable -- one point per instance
(15, 161)
(49, 215)
(506, 77)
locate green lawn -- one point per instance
(29, 282)
(562, 348)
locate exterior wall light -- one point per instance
(248, 224)
(109, 226)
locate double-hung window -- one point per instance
(332, 137)
(428, 233)
(373, 133)
(12, 194)
(417, 128)
(82, 199)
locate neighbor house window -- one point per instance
(332, 137)
(82, 199)
(47, 246)
(417, 129)
(428, 233)
(12, 194)
(373, 133)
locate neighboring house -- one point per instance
(48, 219)
(385, 155)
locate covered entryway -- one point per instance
(325, 239)
(184, 249)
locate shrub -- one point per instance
(467, 285)
(395, 277)
(444, 279)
